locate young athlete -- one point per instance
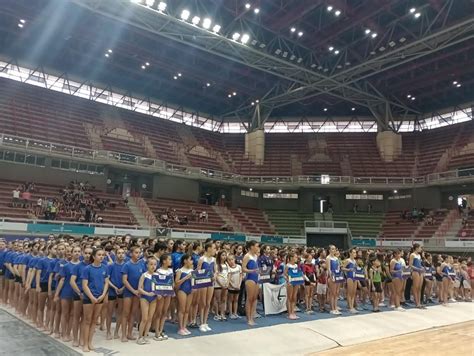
(95, 284)
(309, 273)
(321, 286)
(348, 267)
(250, 267)
(396, 267)
(220, 286)
(206, 262)
(428, 277)
(65, 292)
(131, 273)
(42, 277)
(334, 279)
(163, 303)
(375, 276)
(116, 289)
(183, 282)
(415, 263)
(56, 310)
(147, 300)
(293, 275)
(235, 281)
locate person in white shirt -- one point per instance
(16, 197)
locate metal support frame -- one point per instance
(299, 81)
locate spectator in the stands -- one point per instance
(429, 220)
(355, 208)
(39, 206)
(192, 214)
(369, 208)
(26, 197)
(99, 219)
(203, 216)
(16, 197)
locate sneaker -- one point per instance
(353, 311)
(207, 327)
(203, 328)
(187, 331)
(392, 306)
(382, 305)
(217, 318)
(400, 309)
(193, 326)
(164, 336)
(141, 341)
(297, 309)
(365, 307)
(360, 309)
(233, 316)
(223, 318)
(158, 338)
(182, 332)
(257, 315)
(147, 340)
(452, 300)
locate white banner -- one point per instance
(274, 297)
(448, 243)
(119, 231)
(13, 226)
(190, 235)
(397, 243)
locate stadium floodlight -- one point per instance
(245, 38)
(337, 13)
(293, 29)
(325, 109)
(234, 93)
(179, 74)
(216, 28)
(208, 84)
(22, 21)
(367, 31)
(417, 15)
(162, 6)
(150, 3)
(353, 109)
(206, 23)
(455, 82)
(236, 36)
(412, 10)
(252, 103)
(300, 33)
(250, 189)
(409, 96)
(106, 55)
(185, 14)
(109, 50)
(329, 8)
(257, 10)
(247, 6)
(20, 25)
(458, 85)
(395, 191)
(229, 96)
(336, 51)
(143, 67)
(257, 101)
(175, 77)
(331, 48)
(279, 191)
(413, 98)
(374, 35)
(196, 20)
(147, 64)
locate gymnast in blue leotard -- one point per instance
(207, 262)
(396, 266)
(250, 267)
(349, 269)
(417, 274)
(183, 282)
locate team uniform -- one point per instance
(133, 272)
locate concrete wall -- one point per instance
(175, 188)
(48, 175)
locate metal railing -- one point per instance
(34, 146)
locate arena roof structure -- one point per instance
(389, 62)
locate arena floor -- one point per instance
(456, 339)
(450, 331)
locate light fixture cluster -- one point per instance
(160, 5)
(370, 33)
(457, 84)
(21, 23)
(230, 95)
(411, 97)
(416, 14)
(331, 8)
(177, 76)
(256, 10)
(333, 50)
(196, 20)
(108, 53)
(145, 65)
(298, 32)
(254, 102)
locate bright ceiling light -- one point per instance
(196, 20)
(279, 190)
(409, 96)
(109, 50)
(162, 6)
(325, 109)
(247, 6)
(257, 10)
(331, 48)
(150, 3)
(206, 23)
(455, 82)
(329, 8)
(364, 192)
(252, 103)
(236, 36)
(412, 10)
(208, 84)
(337, 13)
(293, 29)
(257, 101)
(367, 31)
(395, 191)
(175, 77)
(374, 35)
(336, 51)
(353, 109)
(179, 74)
(234, 93)
(22, 21)
(413, 98)
(216, 28)
(417, 15)
(458, 85)
(185, 15)
(107, 55)
(300, 33)
(147, 64)
(143, 67)
(20, 25)
(229, 96)
(245, 38)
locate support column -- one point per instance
(255, 146)
(389, 144)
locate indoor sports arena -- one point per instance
(191, 177)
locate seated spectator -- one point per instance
(16, 197)
(429, 220)
(183, 220)
(203, 216)
(99, 219)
